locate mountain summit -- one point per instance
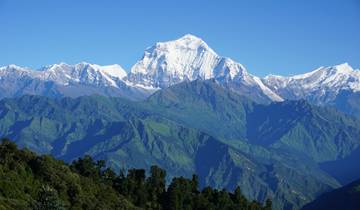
(62, 79)
(338, 86)
(168, 63)
(190, 58)
(322, 82)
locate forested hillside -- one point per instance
(270, 151)
(30, 181)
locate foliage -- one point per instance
(48, 199)
(193, 127)
(28, 181)
(36, 182)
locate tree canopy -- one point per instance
(30, 181)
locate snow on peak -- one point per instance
(190, 37)
(344, 65)
(344, 68)
(167, 63)
(190, 42)
(186, 58)
(323, 82)
(189, 58)
(114, 70)
(317, 74)
(14, 67)
(84, 73)
(89, 74)
(54, 67)
(333, 75)
(229, 67)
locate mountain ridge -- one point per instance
(188, 58)
(178, 128)
(344, 198)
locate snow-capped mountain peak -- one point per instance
(189, 42)
(335, 77)
(341, 69)
(85, 73)
(69, 80)
(231, 69)
(344, 68)
(13, 67)
(185, 59)
(113, 70)
(168, 63)
(64, 74)
(189, 58)
(322, 84)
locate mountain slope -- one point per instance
(345, 170)
(189, 58)
(29, 181)
(129, 134)
(164, 64)
(348, 101)
(336, 86)
(61, 80)
(203, 104)
(322, 134)
(344, 198)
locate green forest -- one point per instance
(40, 182)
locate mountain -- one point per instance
(344, 198)
(345, 170)
(164, 64)
(336, 86)
(124, 136)
(31, 181)
(187, 109)
(190, 58)
(202, 105)
(321, 133)
(178, 129)
(348, 101)
(61, 80)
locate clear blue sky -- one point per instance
(278, 37)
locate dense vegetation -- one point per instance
(270, 151)
(29, 181)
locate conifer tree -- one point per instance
(47, 199)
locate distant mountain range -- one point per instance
(185, 59)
